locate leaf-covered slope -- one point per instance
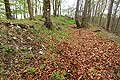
(89, 57)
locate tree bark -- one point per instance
(114, 16)
(84, 22)
(30, 9)
(101, 15)
(89, 10)
(116, 26)
(24, 8)
(109, 14)
(36, 7)
(47, 10)
(76, 14)
(7, 9)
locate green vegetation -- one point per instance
(42, 66)
(56, 76)
(26, 57)
(63, 20)
(6, 49)
(31, 70)
(24, 49)
(65, 73)
(118, 73)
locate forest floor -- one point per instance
(65, 53)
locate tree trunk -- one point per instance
(47, 10)
(114, 16)
(96, 10)
(53, 3)
(7, 9)
(116, 27)
(55, 10)
(44, 9)
(36, 3)
(30, 9)
(109, 14)
(24, 8)
(76, 14)
(60, 8)
(89, 10)
(84, 22)
(101, 15)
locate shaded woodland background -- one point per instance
(103, 13)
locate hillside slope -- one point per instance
(65, 53)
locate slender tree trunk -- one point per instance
(109, 14)
(7, 9)
(89, 10)
(93, 10)
(53, 3)
(101, 15)
(40, 8)
(47, 10)
(36, 7)
(30, 9)
(16, 9)
(60, 9)
(76, 14)
(116, 26)
(84, 22)
(80, 11)
(55, 10)
(114, 16)
(24, 8)
(96, 10)
(44, 13)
